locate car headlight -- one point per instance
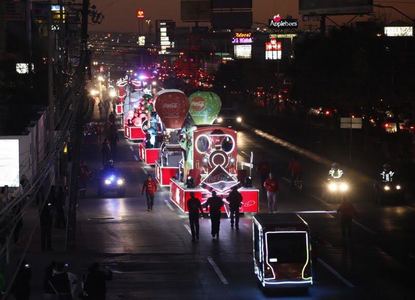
(120, 181)
(332, 186)
(387, 188)
(219, 120)
(344, 187)
(239, 119)
(107, 181)
(398, 187)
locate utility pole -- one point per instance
(76, 134)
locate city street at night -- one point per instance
(207, 149)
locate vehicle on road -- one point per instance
(111, 180)
(229, 117)
(282, 251)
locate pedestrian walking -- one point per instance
(235, 202)
(21, 284)
(59, 207)
(347, 213)
(60, 283)
(46, 226)
(84, 175)
(264, 170)
(95, 287)
(47, 288)
(194, 207)
(106, 152)
(215, 204)
(271, 187)
(150, 188)
(112, 136)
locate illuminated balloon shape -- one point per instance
(172, 106)
(204, 107)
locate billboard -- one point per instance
(335, 7)
(195, 10)
(9, 162)
(242, 51)
(231, 14)
(220, 4)
(399, 31)
(273, 50)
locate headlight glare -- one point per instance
(386, 188)
(344, 187)
(120, 181)
(398, 187)
(332, 186)
(239, 119)
(107, 181)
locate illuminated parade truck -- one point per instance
(282, 251)
(132, 104)
(208, 158)
(172, 107)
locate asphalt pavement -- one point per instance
(152, 256)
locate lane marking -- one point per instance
(188, 229)
(367, 229)
(329, 212)
(136, 157)
(217, 270)
(131, 148)
(169, 205)
(335, 273)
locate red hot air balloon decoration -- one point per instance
(172, 107)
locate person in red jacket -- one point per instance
(271, 187)
(150, 188)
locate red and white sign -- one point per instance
(140, 14)
(273, 50)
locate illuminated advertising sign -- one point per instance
(141, 40)
(242, 38)
(273, 50)
(399, 31)
(140, 14)
(242, 51)
(280, 23)
(9, 162)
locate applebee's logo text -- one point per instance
(283, 23)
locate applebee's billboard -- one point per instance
(280, 23)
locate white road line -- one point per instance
(335, 273)
(364, 227)
(217, 270)
(136, 157)
(131, 148)
(188, 229)
(316, 212)
(144, 170)
(169, 205)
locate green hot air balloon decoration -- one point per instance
(204, 107)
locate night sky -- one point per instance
(120, 14)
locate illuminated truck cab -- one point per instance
(282, 251)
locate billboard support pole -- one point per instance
(323, 25)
